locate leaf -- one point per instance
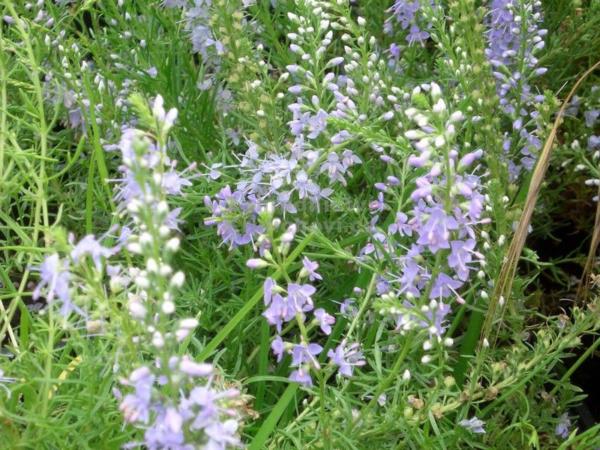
(258, 443)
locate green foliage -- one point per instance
(54, 177)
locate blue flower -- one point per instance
(55, 280)
(346, 357)
(474, 425)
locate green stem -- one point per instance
(591, 349)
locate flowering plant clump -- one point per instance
(299, 224)
(203, 414)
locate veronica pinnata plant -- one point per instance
(290, 308)
(433, 241)
(176, 401)
(515, 40)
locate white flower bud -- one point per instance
(435, 91)
(439, 107)
(189, 323)
(456, 116)
(142, 282)
(157, 340)
(178, 279)
(256, 263)
(137, 310)
(168, 307)
(165, 270)
(134, 247)
(145, 238)
(173, 244)
(152, 265)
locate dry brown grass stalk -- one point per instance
(509, 266)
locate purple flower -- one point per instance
(279, 311)
(473, 424)
(334, 168)
(444, 286)
(591, 117)
(173, 182)
(305, 354)
(90, 246)
(268, 286)
(400, 225)
(56, 278)
(349, 159)
(435, 230)
(416, 35)
(460, 255)
(593, 142)
(300, 296)
(376, 206)
(404, 12)
(317, 124)
(346, 358)
(340, 137)
(325, 320)
(166, 431)
(278, 347)
(563, 427)
(228, 204)
(136, 406)
(194, 369)
(348, 308)
(302, 376)
(174, 3)
(222, 435)
(513, 40)
(310, 267)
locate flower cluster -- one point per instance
(315, 159)
(204, 42)
(293, 303)
(433, 243)
(514, 40)
(408, 16)
(179, 403)
(587, 110)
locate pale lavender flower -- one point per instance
(90, 246)
(174, 3)
(136, 406)
(311, 267)
(278, 347)
(591, 117)
(400, 225)
(563, 428)
(461, 254)
(406, 14)
(473, 424)
(55, 279)
(346, 358)
(279, 311)
(324, 320)
(300, 296)
(305, 354)
(301, 376)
